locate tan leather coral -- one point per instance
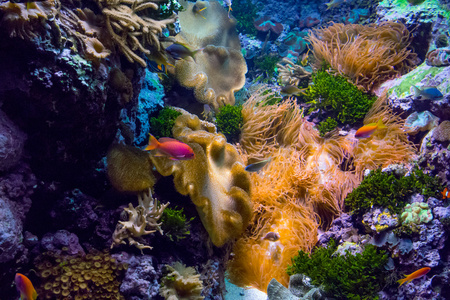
(219, 70)
(215, 179)
(23, 21)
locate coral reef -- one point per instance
(129, 169)
(367, 54)
(422, 121)
(181, 283)
(416, 212)
(438, 57)
(215, 179)
(142, 220)
(95, 275)
(161, 126)
(229, 122)
(290, 73)
(219, 70)
(12, 141)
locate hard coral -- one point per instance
(142, 220)
(367, 54)
(22, 19)
(442, 132)
(181, 283)
(220, 68)
(93, 276)
(131, 29)
(438, 57)
(215, 179)
(12, 141)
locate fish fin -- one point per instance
(416, 91)
(380, 124)
(402, 281)
(34, 296)
(195, 52)
(152, 143)
(328, 5)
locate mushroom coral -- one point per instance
(219, 70)
(215, 179)
(304, 185)
(20, 19)
(367, 54)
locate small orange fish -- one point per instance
(445, 194)
(417, 274)
(25, 287)
(367, 130)
(170, 148)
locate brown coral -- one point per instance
(367, 54)
(22, 19)
(442, 132)
(181, 283)
(220, 68)
(290, 73)
(215, 179)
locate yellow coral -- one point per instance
(181, 283)
(220, 68)
(215, 179)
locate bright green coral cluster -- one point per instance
(229, 121)
(391, 191)
(326, 126)
(417, 213)
(340, 99)
(245, 13)
(358, 276)
(161, 126)
(175, 225)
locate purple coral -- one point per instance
(12, 140)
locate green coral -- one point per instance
(391, 191)
(358, 276)
(245, 13)
(175, 225)
(340, 99)
(417, 213)
(161, 126)
(267, 64)
(326, 126)
(229, 121)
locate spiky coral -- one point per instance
(367, 54)
(131, 29)
(140, 218)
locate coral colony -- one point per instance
(177, 149)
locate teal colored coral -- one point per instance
(389, 191)
(340, 99)
(161, 126)
(229, 121)
(359, 276)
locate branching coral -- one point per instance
(181, 283)
(131, 29)
(215, 179)
(291, 74)
(140, 218)
(220, 68)
(367, 54)
(21, 19)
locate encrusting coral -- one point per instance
(142, 220)
(95, 275)
(130, 28)
(303, 186)
(367, 54)
(219, 69)
(215, 179)
(181, 283)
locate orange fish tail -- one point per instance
(402, 281)
(152, 143)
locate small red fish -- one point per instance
(445, 194)
(367, 130)
(414, 275)
(170, 148)
(25, 287)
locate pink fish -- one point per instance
(25, 287)
(367, 130)
(170, 148)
